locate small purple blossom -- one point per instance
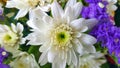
(3, 54)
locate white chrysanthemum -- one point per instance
(94, 60)
(111, 7)
(24, 60)
(25, 6)
(11, 37)
(62, 37)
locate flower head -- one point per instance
(24, 61)
(25, 6)
(11, 37)
(92, 60)
(109, 36)
(62, 35)
(111, 7)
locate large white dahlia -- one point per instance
(25, 6)
(62, 36)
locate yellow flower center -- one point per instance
(33, 3)
(61, 36)
(43, 3)
(9, 38)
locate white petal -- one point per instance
(70, 3)
(113, 7)
(45, 46)
(56, 10)
(19, 28)
(90, 23)
(55, 65)
(72, 12)
(31, 24)
(22, 41)
(69, 57)
(43, 58)
(51, 55)
(87, 39)
(79, 25)
(78, 47)
(37, 20)
(74, 57)
(36, 13)
(77, 9)
(14, 27)
(89, 49)
(62, 64)
(21, 13)
(35, 38)
(68, 14)
(10, 4)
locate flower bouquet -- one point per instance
(59, 34)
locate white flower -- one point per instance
(25, 6)
(62, 36)
(24, 60)
(94, 60)
(111, 7)
(11, 37)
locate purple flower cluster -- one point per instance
(3, 55)
(105, 32)
(109, 36)
(94, 10)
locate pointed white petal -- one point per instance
(57, 11)
(77, 9)
(37, 18)
(87, 39)
(90, 23)
(14, 28)
(78, 47)
(43, 58)
(70, 3)
(36, 38)
(51, 55)
(89, 49)
(69, 57)
(21, 13)
(74, 57)
(20, 28)
(79, 25)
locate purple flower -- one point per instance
(3, 54)
(1, 12)
(93, 1)
(4, 66)
(94, 11)
(109, 36)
